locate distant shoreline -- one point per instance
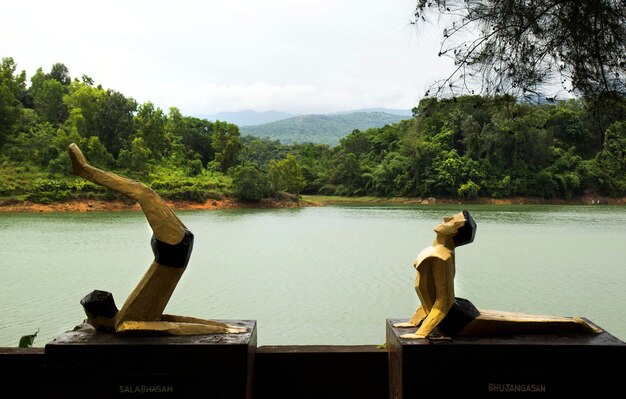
(117, 205)
(581, 200)
(305, 201)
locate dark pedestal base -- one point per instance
(559, 366)
(89, 364)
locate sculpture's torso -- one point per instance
(425, 283)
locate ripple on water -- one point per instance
(329, 275)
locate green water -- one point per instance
(328, 275)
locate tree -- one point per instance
(34, 145)
(137, 159)
(151, 127)
(11, 87)
(286, 175)
(451, 174)
(60, 73)
(356, 143)
(316, 161)
(523, 46)
(468, 190)
(347, 175)
(612, 158)
(196, 137)
(9, 112)
(113, 121)
(47, 94)
(262, 150)
(14, 82)
(60, 162)
(175, 125)
(249, 182)
(566, 171)
(83, 101)
(226, 144)
(392, 176)
(569, 131)
(96, 153)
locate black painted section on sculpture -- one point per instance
(467, 232)
(321, 372)
(88, 363)
(531, 365)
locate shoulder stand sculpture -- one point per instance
(452, 316)
(171, 243)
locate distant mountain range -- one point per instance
(320, 129)
(393, 111)
(249, 117)
(314, 128)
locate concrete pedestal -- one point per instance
(559, 366)
(87, 364)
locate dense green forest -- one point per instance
(461, 147)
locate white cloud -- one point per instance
(210, 56)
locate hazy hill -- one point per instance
(322, 129)
(247, 117)
(402, 112)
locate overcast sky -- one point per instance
(204, 57)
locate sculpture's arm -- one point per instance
(417, 318)
(444, 298)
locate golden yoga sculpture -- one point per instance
(453, 316)
(172, 243)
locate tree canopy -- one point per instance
(463, 147)
(531, 47)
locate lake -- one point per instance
(319, 275)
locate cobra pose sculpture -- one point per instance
(434, 284)
(172, 244)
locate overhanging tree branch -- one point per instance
(522, 46)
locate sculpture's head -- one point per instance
(100, 309)
(461, 227)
